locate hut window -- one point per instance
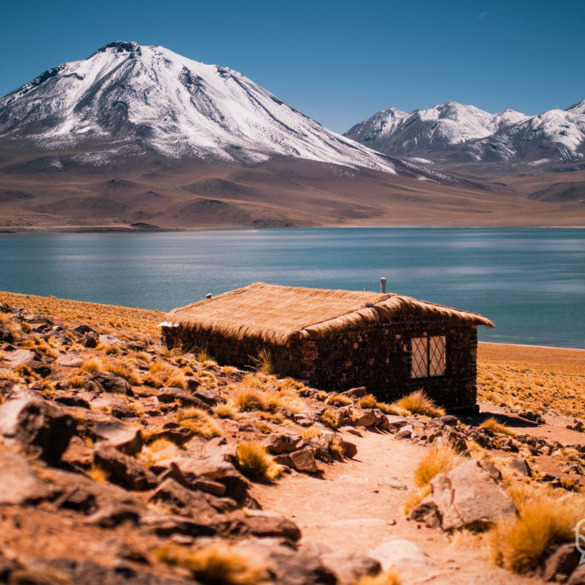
(429, 356)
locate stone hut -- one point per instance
(339, 339)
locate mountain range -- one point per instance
(139, 137)
(456, 133)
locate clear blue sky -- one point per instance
(338, 61)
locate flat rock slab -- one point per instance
(19, 484)
(69, 360)
(19, 357)
(399, 554)
(467, 496)
(125, 438)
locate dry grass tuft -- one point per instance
(415, 498)
(76, 381)
(544, 519)
(91, 365)
(161, 373)
(339, 400)
(217, 564)
(368, 401)
(330, 419)
(311, 432)
(98, 474)
(226, 410)
(267, 363)
(384, 578)
(419, 403)
(199, 421)
(123, 369)
(437, 460)
(158, 450)
(228, 370)
(491, 424)
(255, 462)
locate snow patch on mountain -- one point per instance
(456, 132)
(127, 97)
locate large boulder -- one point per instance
(468, 497)
(42, 428)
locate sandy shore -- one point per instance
(566, 361)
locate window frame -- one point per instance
(423, 371)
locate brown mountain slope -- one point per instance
(49, 191)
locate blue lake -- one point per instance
(530, 282)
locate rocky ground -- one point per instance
(124, 462)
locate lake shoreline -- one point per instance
(129, 229)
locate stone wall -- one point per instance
(380, 358)
(376, 356)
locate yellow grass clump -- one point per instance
(339, 400)
(161, 373)
(226, 410)
(199, 421)
(217, 563)
(123, 369)
(158, 450)
(368, 401)
(384, 578)
(437, 460)
(255, 462)
(91, 365)
(267, 363)
(544, 519)
(419, 403)
(491, 424)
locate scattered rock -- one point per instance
(268, 524)
(394, 483)
(170, 394)
(304, 460)
(69, 360)
(561, 563)
(365, 419)
(123, 469)
(19, 357)
(20, 485)
(400, 554)
(113, 405)
(40, 427)
(467, 497)
(521, 466)
(282, 443)
(359, 392)
(350, 568)
(111, 383)
(125, 438)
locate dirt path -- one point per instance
(355, 509)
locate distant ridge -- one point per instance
(453, 132)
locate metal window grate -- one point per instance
(437, 356)
(429, 356)
(420, 363)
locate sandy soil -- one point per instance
(353, 509)
(568, 361)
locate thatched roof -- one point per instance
(277, 313)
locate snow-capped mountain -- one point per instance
(453, 132)
(127, 98)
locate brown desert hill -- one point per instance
(46, 191)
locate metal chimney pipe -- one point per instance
(383, 285)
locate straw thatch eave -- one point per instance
(277, 314)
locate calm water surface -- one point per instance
(530, 282)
